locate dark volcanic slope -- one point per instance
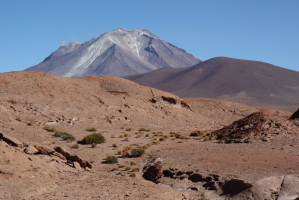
(117, 53)
(243, 81)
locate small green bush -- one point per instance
(75, 146)
(49, 129)
(57, 134)
(12, 101)
(97, 138)
(142, 129)
(137, 152)
(111, 159)
(67, 136)
(91, 129)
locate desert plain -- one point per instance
(191, 148)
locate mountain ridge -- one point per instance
(117, 53)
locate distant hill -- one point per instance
(249, 82)
(117, 53)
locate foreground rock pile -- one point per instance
(259, 125)
(60, 152)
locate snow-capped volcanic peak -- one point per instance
(117, 53)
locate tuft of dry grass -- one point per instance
(133, 162)
(93, 145)
(136, 169)
(114, 145)
(114, 169)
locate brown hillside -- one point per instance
(249, 82)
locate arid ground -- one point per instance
(193, 148)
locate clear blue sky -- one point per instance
(263, 30)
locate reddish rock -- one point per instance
(10, 140)
(73, 157)
(31, 150)
(44, 150)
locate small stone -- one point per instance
(77, 166)
(44, 150)
(31, 150)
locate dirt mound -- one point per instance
(261, 125)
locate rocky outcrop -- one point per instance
(11, 141)
(259, 124)
(44, 150)
(295, 115)
(72, 157)
(153, 171)
(60, 152)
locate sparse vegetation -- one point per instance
(111, 159)
(12, 101)
(132, 175)
(128, 168)
(143, 129)
(57, 134)
(196, 133)
(93, 145)
(114, 145)
(126, 135)
(133, 162)
(18, 119)
(128, 129)
(67, 136)
(121, 165)
(97, 138)
(114, 169)
(155, 142)
(49, 129)
(135, 169)
(91, 129)
(137, 152)
(75, 146)
(29, 124)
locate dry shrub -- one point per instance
(49, 129)
(97, 138)
(92, 129)
(133, 162)
(128, 168)
(114, 169)
(114, 145)
(126, 135)
(111, 159)
(135, 169)
(155, 142)
(132, 175)
(196, 133)
(121, 165)
(75, 146)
